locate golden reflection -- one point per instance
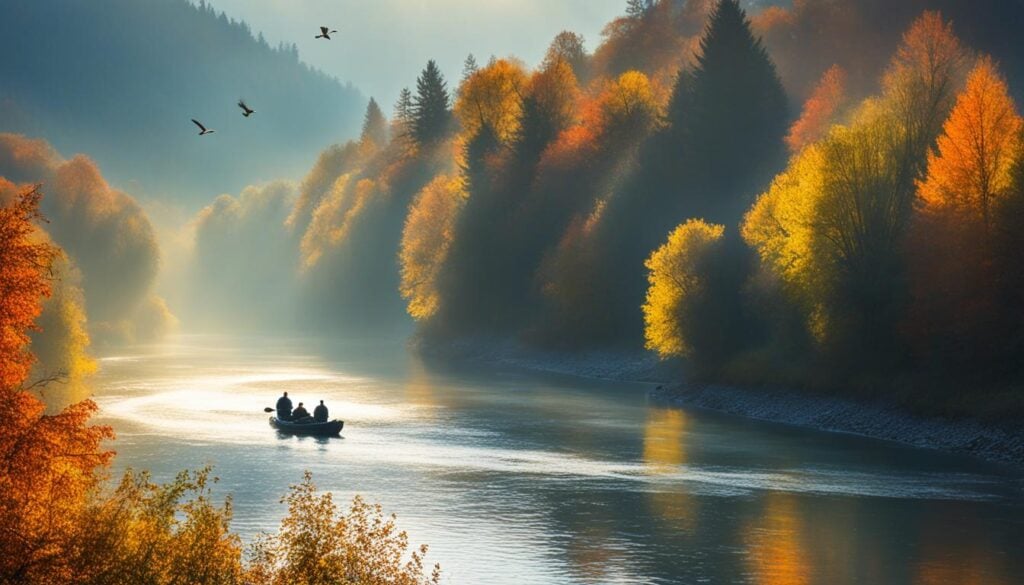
(664, 449)
(776, 548)
(665, 453)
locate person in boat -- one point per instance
(300, 413)
(284, 407)
(320, 413)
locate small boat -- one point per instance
(331, 428)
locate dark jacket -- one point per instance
(284, 408)
(320, 413)
(300, 413)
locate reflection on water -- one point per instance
(521, 478)
(775, 543)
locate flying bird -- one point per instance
(246, 111)
(324, 33)
(202, 129)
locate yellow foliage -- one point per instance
(426, 239)
(493, 96)
(320, 545)
(335, 217)
(629, 102)
(673, 280)
(974, 161)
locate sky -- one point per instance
(382, 45)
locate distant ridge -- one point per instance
(120, 80)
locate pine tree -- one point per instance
(375, 126)
(639, 8)
(431, 108)
(469, 67)
(737, 118)
(403, 107)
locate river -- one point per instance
(518, 478)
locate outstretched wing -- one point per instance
(324, 31)
(201, 127)
(241, 104)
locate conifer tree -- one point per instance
(375, 126)
(737, 116)
(431, 110)
(469, 67)
(403, 107)
(638, 8)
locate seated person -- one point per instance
(284, 407)
(320, 413)
(300, 413)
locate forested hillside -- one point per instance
(168, 61)
(639, 195)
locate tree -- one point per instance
(820, 110)
(375, 126)
(975, 153)
(320, 545)
(736, 117)
(493, 97)
(639, 8)
(431, 114)
(674, 283)
(569, 47)
(48, 463)
(426, 239)
(694, 306)
(956, 311)
(469, 67)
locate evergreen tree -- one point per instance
(639, 8)
(403, 107)
(375, 126)
(469, 67)
(431, 111)
(736, 120)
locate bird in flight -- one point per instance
(246, 111)
(202, 129)
(324, 33)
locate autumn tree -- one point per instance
(375, 126)
(318, 544)
(493, 97)
(693, 307)
(955, 311)
(820, 110)
(974, 158)
(430, 112)
(569, 47)
(835, 223)
(673, 284)
(48, 463)
(429, 230)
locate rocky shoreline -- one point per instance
(870, 419)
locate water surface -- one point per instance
(518, 478)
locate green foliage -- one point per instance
(431, 108)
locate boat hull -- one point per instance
(331, 428)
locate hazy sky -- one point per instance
(383, 44)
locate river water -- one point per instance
(518, 478)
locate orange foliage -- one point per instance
(24, 271)
(47, 462)
(975, 153)
(951, 256)
(820, 110)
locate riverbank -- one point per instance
(878, 420)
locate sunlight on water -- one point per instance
(514, 480)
